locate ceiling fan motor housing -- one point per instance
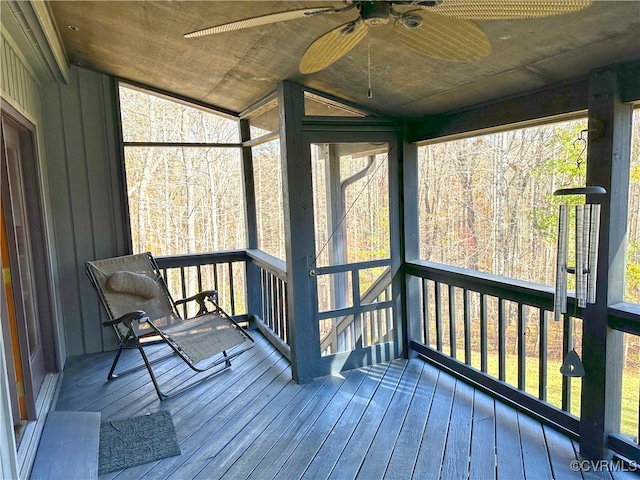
(375, 13)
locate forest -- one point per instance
(485, 202)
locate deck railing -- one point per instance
(625, 317)
(242, 295)
(496, 332)
(224, 271)
(499, 333)
(271, 315)
(229, 272)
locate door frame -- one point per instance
(365, 130)
(35, 210)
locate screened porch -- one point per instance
(386, 228)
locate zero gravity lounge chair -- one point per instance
(136, 298)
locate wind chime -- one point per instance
(586, 230)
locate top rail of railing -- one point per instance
(267, 262)
(195, 259)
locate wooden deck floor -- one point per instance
(398, 420)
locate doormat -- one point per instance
(135, 441)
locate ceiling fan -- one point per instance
(442, 29)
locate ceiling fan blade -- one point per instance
(258, 21)
(506, 9)
(332, 46)
(444, 37)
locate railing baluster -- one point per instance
(357, 322)
(452, 322)
(282, 317)
(272, 317)
(269, 302)
(502, 341)
(263, 296)
(365, 330)
(483, 332)
(377, 318)
(184, 292)
(438, 301)
(522, 349)
(274, 302)
(425, 311)
(467, 326)
(231, 292)
(567, 345)
(286, 314)
(542, 355)
(199, 273)
(167, 281)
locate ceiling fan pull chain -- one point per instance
(369, 92)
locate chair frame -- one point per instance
(131, 336)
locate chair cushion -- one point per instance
(133, 284)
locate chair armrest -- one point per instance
(211, 295)
(126, 318)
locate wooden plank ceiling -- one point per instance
(143, 42)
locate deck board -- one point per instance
(431, 453)
(483, 437)
(508, 451)
(398, 420)
(456, 457)
(358, 445)
(405, 451)
(534, 449)
(327, 456)
(302, 419)
(319, 432)
(377, 458)
(560, 455)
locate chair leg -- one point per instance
(227, 362)
(111, 376)
(161, 395)
(122, 342)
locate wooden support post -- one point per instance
(252, 271)
(396, 154)
(304, 334)
(410, 249)
(608, 166)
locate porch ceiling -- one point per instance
(143, 41)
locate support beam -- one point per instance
(248, 182)
(396, 153)
(608, 165)
(410, 244)
(527, 110)
(304, 334)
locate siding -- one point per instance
(87, 197)
(18, 85)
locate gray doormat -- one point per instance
(134, 441)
